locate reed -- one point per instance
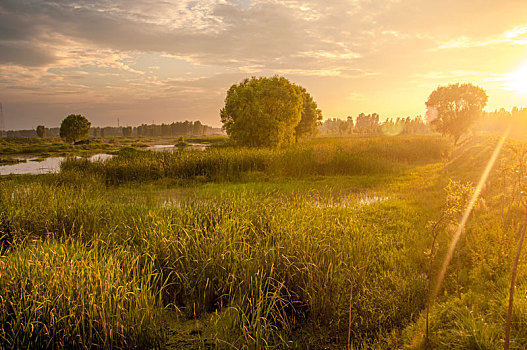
(265, 262)
(269, 263)
(320, 157)
(64, 295)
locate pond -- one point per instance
(52, 164)
(44, 166)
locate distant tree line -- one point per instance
(175, 129)
(499, 120)
(451, 110)
(490, 122)
(370, 124)
(186, 128)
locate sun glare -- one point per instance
(518, 79)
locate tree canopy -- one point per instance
(74, 127)
(311, 117)
(270, 112)
(41, 131)
(453, 109)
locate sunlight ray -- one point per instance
(466, 215)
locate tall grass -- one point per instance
(321, 157)
(472, 307)
(267, 264)
(271, 264)
(62, 295)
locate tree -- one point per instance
(350, 123)
(367, 124)
(311, 117)
(453, 109)
(74, 127)
(41, 131)
(262, 112)
(127, 131)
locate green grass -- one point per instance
(210, 140)
(325, 157)
(45, 147)
(53, 146)
(266, 260)
(9, 161)
(65, 295)
(257, 249)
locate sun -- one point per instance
(518, 80)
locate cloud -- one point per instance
(25, 54)
(515, 36)
(207, 31)
(354, 96)
(516, 32)
(450, 75)
(112, 51)
(310, 72)
(340, 54)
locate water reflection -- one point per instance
(101, 157)
(52, 164)
(44, 166)
(356, 201)
(189, 146)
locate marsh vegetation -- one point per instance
(330, 243)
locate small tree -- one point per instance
(74, 127)
(41, 131)
(453, 109)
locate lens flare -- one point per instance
(466, 215)
(431, 114)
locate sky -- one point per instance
(144, 61)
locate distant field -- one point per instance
(330, 242)
(54, 146)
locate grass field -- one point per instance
(10, 148)
(329, 244)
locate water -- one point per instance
(351, 202)
(357, 201)
(190, 146)
(46, 166)
(160, 148)
(101, 157)
(52, 164)
(368, 200)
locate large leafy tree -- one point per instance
(74, 127)
(311, 117)
(269, 112)
(453, 109)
